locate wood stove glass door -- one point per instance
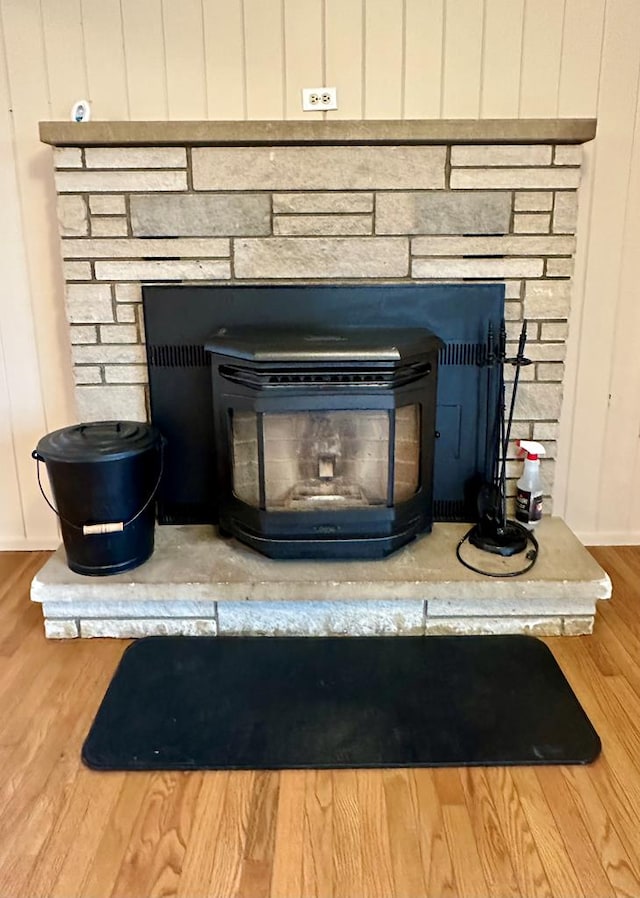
(316, 460)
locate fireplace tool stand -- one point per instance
(494, 532)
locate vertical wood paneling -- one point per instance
(461, 71)
(303, 40)
(65, 55)
(344, 55)
(424, 20)
(184, 51)
(541, 51)
(145, 59)
(24, 53)
(11, 520)
(226, 59)
(604, 258)
(580, 65)
(28, 299)
(106, 70)
(501, 57)
(616, 508)
(224, 49)
(384, 54)
(264, 53)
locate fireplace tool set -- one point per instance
(494, 532)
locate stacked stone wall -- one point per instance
(279, 214)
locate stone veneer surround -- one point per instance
(285, 202)
(204, 214)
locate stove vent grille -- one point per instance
(193, 355)
(172, 355)
(380, 378)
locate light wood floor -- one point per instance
(66, 831)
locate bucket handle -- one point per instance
(118, 526)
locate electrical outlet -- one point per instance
(319, 99)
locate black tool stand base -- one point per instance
(508, 540)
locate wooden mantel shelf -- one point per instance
(255, 133)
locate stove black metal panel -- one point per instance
(180, 318)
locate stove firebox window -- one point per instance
(244, 448)
(312, 460)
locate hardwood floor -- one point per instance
(466, 833)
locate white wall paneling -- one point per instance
(620, 465)
(541, 58)
(581, 55)
(11, 520)
(145, 59)
(463, 35)
(104, 56)
(65, 54)
(32, 324)
(604, 313)
(384, 58)
(265, 58)
(501, 56)
(344, 55)
(237, 59)
(223, 37)
(424, 21)
(304, 52)
(183, 31)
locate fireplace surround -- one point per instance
(469, 203)
(322, 202)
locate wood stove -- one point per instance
(324, 440)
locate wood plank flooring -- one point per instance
(553, 832)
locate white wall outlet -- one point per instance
(319, 99)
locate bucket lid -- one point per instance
(98, 441)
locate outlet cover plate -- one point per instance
(319, 99)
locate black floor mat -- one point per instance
(185, 703)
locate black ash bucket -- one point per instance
(104, 477)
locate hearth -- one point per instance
(324, 440)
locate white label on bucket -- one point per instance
(90, 529)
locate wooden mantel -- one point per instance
(255, 133)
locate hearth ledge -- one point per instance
(199, 584)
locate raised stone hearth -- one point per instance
(199, 584)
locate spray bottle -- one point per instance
(529, 494)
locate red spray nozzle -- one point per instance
(533, 449)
